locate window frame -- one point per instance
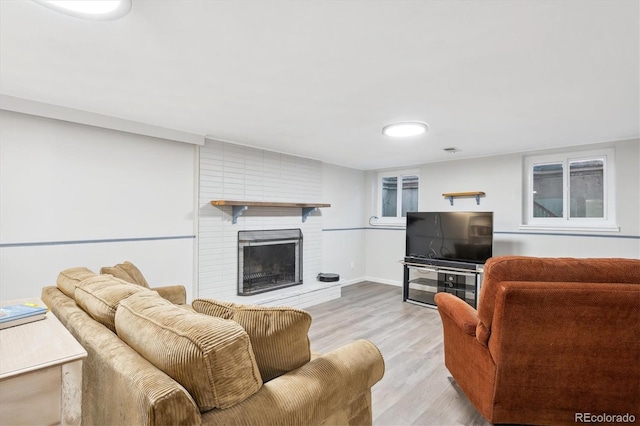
(399, 174)
(566, 222)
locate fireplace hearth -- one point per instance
(269, 260)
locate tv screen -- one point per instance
(459, 236)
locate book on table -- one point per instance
(21, 314)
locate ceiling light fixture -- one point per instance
(89, 9)
(405, 129)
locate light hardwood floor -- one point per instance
(416, 388)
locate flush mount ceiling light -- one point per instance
(405, 129)
(89, 9)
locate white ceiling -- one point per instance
(319, 79)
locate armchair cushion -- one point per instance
(211, 357)
(279, 335)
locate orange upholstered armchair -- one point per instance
(554, 341)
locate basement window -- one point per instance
(397, 195)
(571, 190)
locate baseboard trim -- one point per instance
(384, 281)
(346, 283)
(353, 281)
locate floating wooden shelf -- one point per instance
(239, 207)
(452, 195)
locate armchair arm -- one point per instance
(460, 312)
(312, 393)
(175, 294)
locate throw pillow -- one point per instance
(69, 279)
(210, 357)
(279, 335)
(100, 295)
(126, 271)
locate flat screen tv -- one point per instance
(458, 236)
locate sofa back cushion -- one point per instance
(211, 357)
(279, 335)
(126, 271)
(69, 279)
(100, 295)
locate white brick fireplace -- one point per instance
(233, 172)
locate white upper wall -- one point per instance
(76, 195)
(345, 189)
(501, 178)
(343, 225)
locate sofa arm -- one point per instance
(119, 386)
(340, 380)
(460, 312)
(175, 294)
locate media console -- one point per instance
(445, 252)
(424, 278)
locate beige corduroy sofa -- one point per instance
(154, 360)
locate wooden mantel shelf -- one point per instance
(239, 207)
(265, 204)
(452, 195)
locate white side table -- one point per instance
(40, 372)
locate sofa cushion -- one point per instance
(211, 357)
(69, 279)
(126, 271)
(279, 335)
(100, 295)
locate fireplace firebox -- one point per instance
(269, 260)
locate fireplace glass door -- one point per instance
(269, 260)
